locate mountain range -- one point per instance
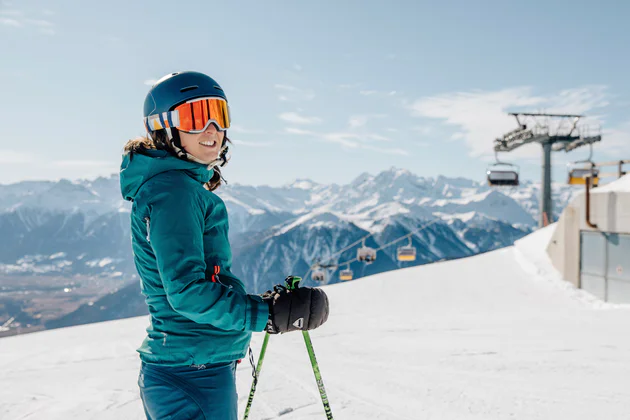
(82, 228)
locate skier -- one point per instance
(201, 317)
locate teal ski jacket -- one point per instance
(199, 311)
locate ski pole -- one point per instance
(263, 350)
(318, 375)
(293, 282)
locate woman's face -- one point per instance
(204, 146)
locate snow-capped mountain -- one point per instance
(87, 221)
(82, 227)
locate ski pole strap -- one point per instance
(251, 362)
(292, 282)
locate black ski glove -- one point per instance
(303, 308)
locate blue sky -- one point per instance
(323, 90)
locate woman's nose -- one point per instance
(211, 128)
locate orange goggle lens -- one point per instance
(194, 116)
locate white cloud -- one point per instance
(424, 130)
(48, 12)
(377, 137)
(343, 138)
(346, 139)
(11, 156)
(392, 130)
(150, 82)
(616, 141)
(253, 143)
(295, 118)
(39, 22)
(17, 19)
(11, 12)
(294, 94)
(357, 121)
(10, 22)
(83, 163)
(387, 151)
(234, 128)
(297, 67)
(480, 117)
(299, 131)
(349, 86)
(371, 92)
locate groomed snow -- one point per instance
(495, 336)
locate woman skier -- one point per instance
(201, 317)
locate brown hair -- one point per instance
(159, 141)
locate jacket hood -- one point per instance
(137, 168)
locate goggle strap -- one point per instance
(161, 117)
(173, 118)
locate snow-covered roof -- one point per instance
(621, 185)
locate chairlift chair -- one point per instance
(366, 254)
(502, 178)
(501, 174)
(318, 275)
(406, 253)
(579, 170)
(577, 176)
(345, 274)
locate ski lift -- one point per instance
(502, 174)
(346, 274)
(366, 254)
(407, 252)
(579, 170)
(318, 275)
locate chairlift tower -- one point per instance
(554, 132)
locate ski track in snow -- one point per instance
(495, 336)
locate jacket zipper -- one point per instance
(148, 222)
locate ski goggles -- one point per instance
(194, 116)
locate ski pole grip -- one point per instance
(292, 282)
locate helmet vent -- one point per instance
(218, 87)
(189, 88)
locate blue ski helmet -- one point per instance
(176, 88)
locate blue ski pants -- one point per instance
(206, 392)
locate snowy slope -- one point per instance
(495, 336)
